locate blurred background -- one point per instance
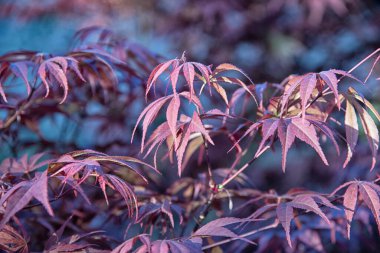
(269, 39)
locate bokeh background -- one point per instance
(267, 38)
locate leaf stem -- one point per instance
(364, 60)
(273, 225)
(208, 161)
(246, 165)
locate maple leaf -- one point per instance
(23, 165)
(307, 83)
(240, 96)
(369, 193)
(354, 108)
(205, 75)
(80, 165)
(151, 111)
(217, 228)
(20, 69)
(352, 130)
(157, 71)
(188, 128)
(55, 69)
(10, 69)
(73, 243)
(19, 195)
(304, 202)
(165, 207)
(216, 79)
(287, 130)
(97, 66)
(308, 202)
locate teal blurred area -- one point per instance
(268, 39)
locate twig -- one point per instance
(205, 210)
(210, 180)
(246, 165)
(364, 60)
(273, 225)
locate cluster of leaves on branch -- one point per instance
(121, 198)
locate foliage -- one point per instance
(173, 143)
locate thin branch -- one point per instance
(246, 165)
(273, 225)
(206, 209)
(364, 60)
(15, 115)
(205, 143)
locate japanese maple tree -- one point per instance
(173, 152)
